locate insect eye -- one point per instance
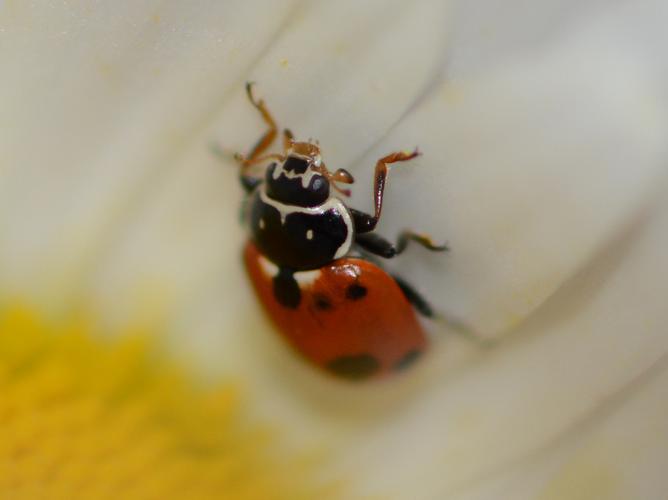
(343, 176)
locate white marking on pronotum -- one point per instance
(309, 234)
(261, 223)
(305, 177)
(333, 203)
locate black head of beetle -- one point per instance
(302, 179)
(294, 183)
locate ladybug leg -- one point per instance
(421, 239)
(268, 138)
(250, 182)
(376, 245)
(368, 222)
(424, 308)
(380, 246)
(265, 141)
(418, 301)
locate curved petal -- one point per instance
(621, 456)
(529, 171)
(491, 33)
(95, 101)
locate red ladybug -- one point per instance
(312, 261)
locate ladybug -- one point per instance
(313, 260)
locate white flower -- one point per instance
(544, 130)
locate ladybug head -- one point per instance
(302, 178)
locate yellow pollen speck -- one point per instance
(284, 63)
(81, 418)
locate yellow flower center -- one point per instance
(85, 418)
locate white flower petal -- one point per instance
(95, 101)
(624, 456)
(491, 33)
(526, 174)
(618, 452)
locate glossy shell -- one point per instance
(353, 320)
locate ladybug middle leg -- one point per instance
(378, 245)
(374, 244)
(365, 223)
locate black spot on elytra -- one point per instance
(357, 367)
(407, 360)
(355, 292)
(286, 289)
(322, 302)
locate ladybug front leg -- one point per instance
(365, 223)
(267, 139)
(249, 182)
(378, 245)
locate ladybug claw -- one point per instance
(251, 97)
(416, 152)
